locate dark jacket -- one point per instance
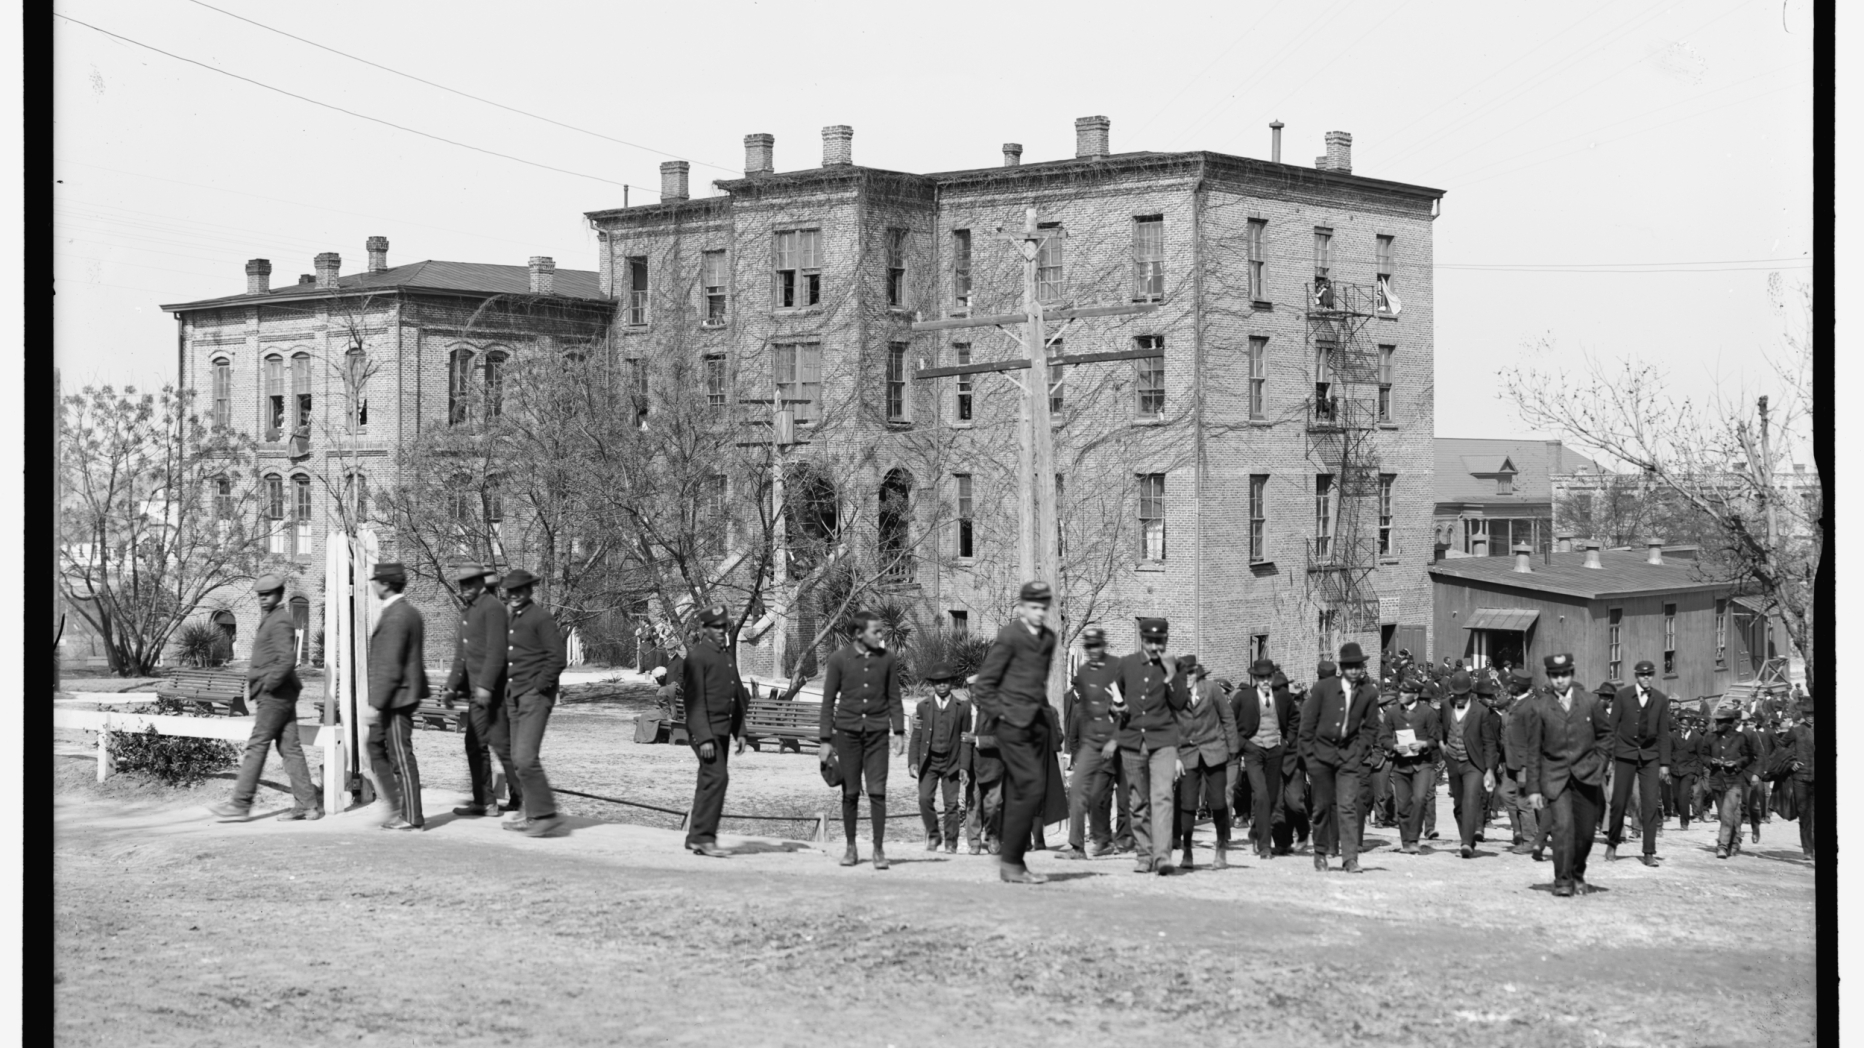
(861, 692)
(1514, 734)
(397, 674)
(1246, 710)
(274, 666)
(1641, 735)
(1426, 722)
(479, 661)
(932, 735)
(534, 653)
(1154, 695)
(1565, 746)
(1012, 684)
(1207, 727)
(1087, 717)
(1729, 758)
(1686, 752)
(1802, 750)
(979, 754)
(1339, 729)
(1482, 730)
(714, 693)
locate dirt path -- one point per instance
(176, 930)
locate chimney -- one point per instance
(258, 276)
(1524, 557)
(837, 146)
(757, 154)
(1090, 137)
(1275, 141)
(1012, 154)
(306, 278)
(1592, 555)
(1339, 151)
(673, 181)
(327, 265)
(1563, 542)
(378, 254)
(544, 274)
(1653, 551)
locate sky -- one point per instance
(1622, 178)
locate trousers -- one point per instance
(1729, 802)
(863, 756)
(1263, 768)
(1644, 777)
(1470, 803)
(275, 722)
(488, 735)
(708, 793)
(941, 776)
(1025, 753)
(1683, 788)
(391, 754)
(1091, 778)
(1336, 807)
(1207, 779)
(1411, 782)
(1508, 801)
(1804, 798)
(1149, 776)
(983, 820)
(1575, 823)
(528, 715)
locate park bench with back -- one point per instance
(791, 725)
(205, 693)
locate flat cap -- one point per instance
(1325, 669)
(270, 582)
(1036, 591)
(518, 577)
(389, 571)
(1562, 663)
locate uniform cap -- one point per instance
(1410, 684)
(1644, 666)
(1153, 629)
(1350, 655)
(268, 583)
(1093, 635)
(389, 571)
(716, 615)
(518, 577)
(1036, 591)
(1562, 663)
(466, 572)
(1325, 669)
(1521, 676)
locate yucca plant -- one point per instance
(198, 644)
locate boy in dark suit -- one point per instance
(1471, 751)
(397, 684)
(1339, 724)
(1641, 754)
(939, 723)
(1265, 724)
(1567, 741)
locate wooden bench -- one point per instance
(205, 693)
(434, 713)
(791, 725)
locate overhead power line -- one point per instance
(348, 112)
(455, 90)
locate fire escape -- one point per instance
(1342, 421)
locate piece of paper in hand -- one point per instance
(1406, 737)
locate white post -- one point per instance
(335, 774)
(103, 754)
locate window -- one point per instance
(961, 268)
(1323, 515)
(223, 393)
(301, 393)
(356, 381)
(1614, 648)
(967, 535)
(1258, 517)
(495, 508)
(1504, 484)
(1324, 404)
(275, 513)
(964, 382)
(961, 623)
(1384, 285)
(356, 494)
(1149, 258)
(301, 516)
(1386, 481)
(1582, 508)
(637, 291)
(1323, 255)
(459, 374)
(1152, 516)
(1721, 634)
(1258, 377)
(712, 279)
(1149, 377)
(1325, 624)
(799, 377)
(1061, 535)
(1057, 384)
(1385, 382)
(1258, 646)
(637, 390)
(1258, 287)
(715, 385)
(713, 530)
(1049, 264)
(797, 281)
(223, 498)
(1669, 638)
(896, 268)
(494, 384)
(895, 520)
(463, 498)
(274, 406)
(896, 381)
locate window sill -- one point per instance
(796, 311)
(899, 423)
(1262, 307)
(712, 325)
(1264, 423)
(1149, 420)
(900, 311)
(1388, 425)
(963, 562)
(1259, 564)
(1388, 560)
(959, 311)
(1386, 316)
(1149, 565)
(967, 424)
(635, 327)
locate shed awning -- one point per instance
(1757, 605)
(1501, 619)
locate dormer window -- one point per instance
(1504, 484)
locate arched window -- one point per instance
(459, 371)
(275, 513)
(463, 502)
(495, 382)
(301, 622)
(272, 408)
(223, 392)
(810, 503)
(301, 393)
(356, 380)
(895, 517)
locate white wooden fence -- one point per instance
(328, 738)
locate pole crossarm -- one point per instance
(1064, 313)
(1016, 365)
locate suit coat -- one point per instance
(273, 669)
(1641, 735)
(1339, 729)
(1246, 710)
(1421, 719)
(397, 674)
(1803, 751)
(1482, 729)
(479, 661)
(1565, 746)
(1734, 746)
(979, 751)
(1207, 727)
(1087, 717)
(1685, 755)
(714, 693)
(919, 748)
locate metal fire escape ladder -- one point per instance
(1342, 423)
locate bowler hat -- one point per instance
(1485, 686)
(1153, 629)
(1262, 668)
(1036, 591)
(518, 577)
(467, 572)
(1562, 663)
(1093, 635)
(1644, 666)
(268, 583)
(1280, 680)
(389, 571)
(938, 671)
(1459, 683)
(1607, 688)
(1350, 655)
(716, 615)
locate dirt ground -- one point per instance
(173, 929)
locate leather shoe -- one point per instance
(1521, 849)
(932, 844)
(851, 856)
(399, 823)
(1221, 861)
(1580, 887)
(1320, 860)
(1564, 891)
(515, 825)
(547, 826)
(1144, 865)
(1095, 851)
(1648, 860)
(1351, 866)
(470, 811)
(1756, 832)
(230, 812)
(1165, 868)
(880, 859)
(301, 815)
(1721, 852)
(1410, 848)
(1611, 853)
(976, 848)
(1186, 862)
(951, 847)
(1538, 857)
(1011, 875)
(1466, 852)
(1070, 852)
(710, 850)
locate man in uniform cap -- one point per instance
(1729, 756)
(939, 722)
(1092, 752)
(1471, 753)
(1339, 723)
(397, 684)
(1640, 720)
(1265, 723)
(1410, 732)
(272, 678)
(478, 673)
(1568, 741)
(1148, 695)
(535, 660)
(715, 709)
(860, 701)
(1012, 693)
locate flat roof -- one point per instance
(1622, 573)
(430, 275)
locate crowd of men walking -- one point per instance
(1152, 743)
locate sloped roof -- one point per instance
(429, 275)
(1459, 459)
(1620, 573)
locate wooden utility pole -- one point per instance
(1038, 553)
(782, 439)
